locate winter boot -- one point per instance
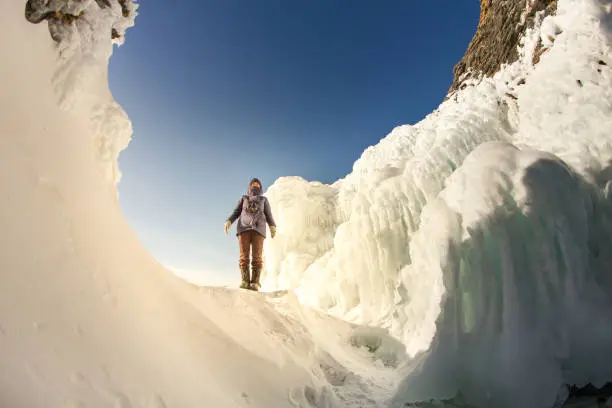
(255, 279)
(245, 278)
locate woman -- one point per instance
(253, 212)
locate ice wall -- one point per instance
(83, 34)
(478, 236)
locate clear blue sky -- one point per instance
(221, 91)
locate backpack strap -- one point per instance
(257, 201)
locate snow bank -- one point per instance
(87, 317)
(479, 235)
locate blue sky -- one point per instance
(222, 91)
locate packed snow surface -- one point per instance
(466, 257)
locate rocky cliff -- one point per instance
(501, 25)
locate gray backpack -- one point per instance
(252, 211)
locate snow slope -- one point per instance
(479, 238)
(87, 317)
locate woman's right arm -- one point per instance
(236, 213)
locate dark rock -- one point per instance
(37, 11)
(125, 11)
(579, 82)
(590, 391)
(537, 52)
(497, 37)
(103, 3)
(585, 396)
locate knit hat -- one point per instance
(255, 180)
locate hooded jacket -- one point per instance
(248, 221)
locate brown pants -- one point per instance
(251, 240)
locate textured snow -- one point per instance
(479, 236)
(80, 77)
(466, 257)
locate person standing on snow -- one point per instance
(253, 212)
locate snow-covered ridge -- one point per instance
(478, 235)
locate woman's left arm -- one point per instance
(268, 213)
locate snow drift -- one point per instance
(478, 238)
